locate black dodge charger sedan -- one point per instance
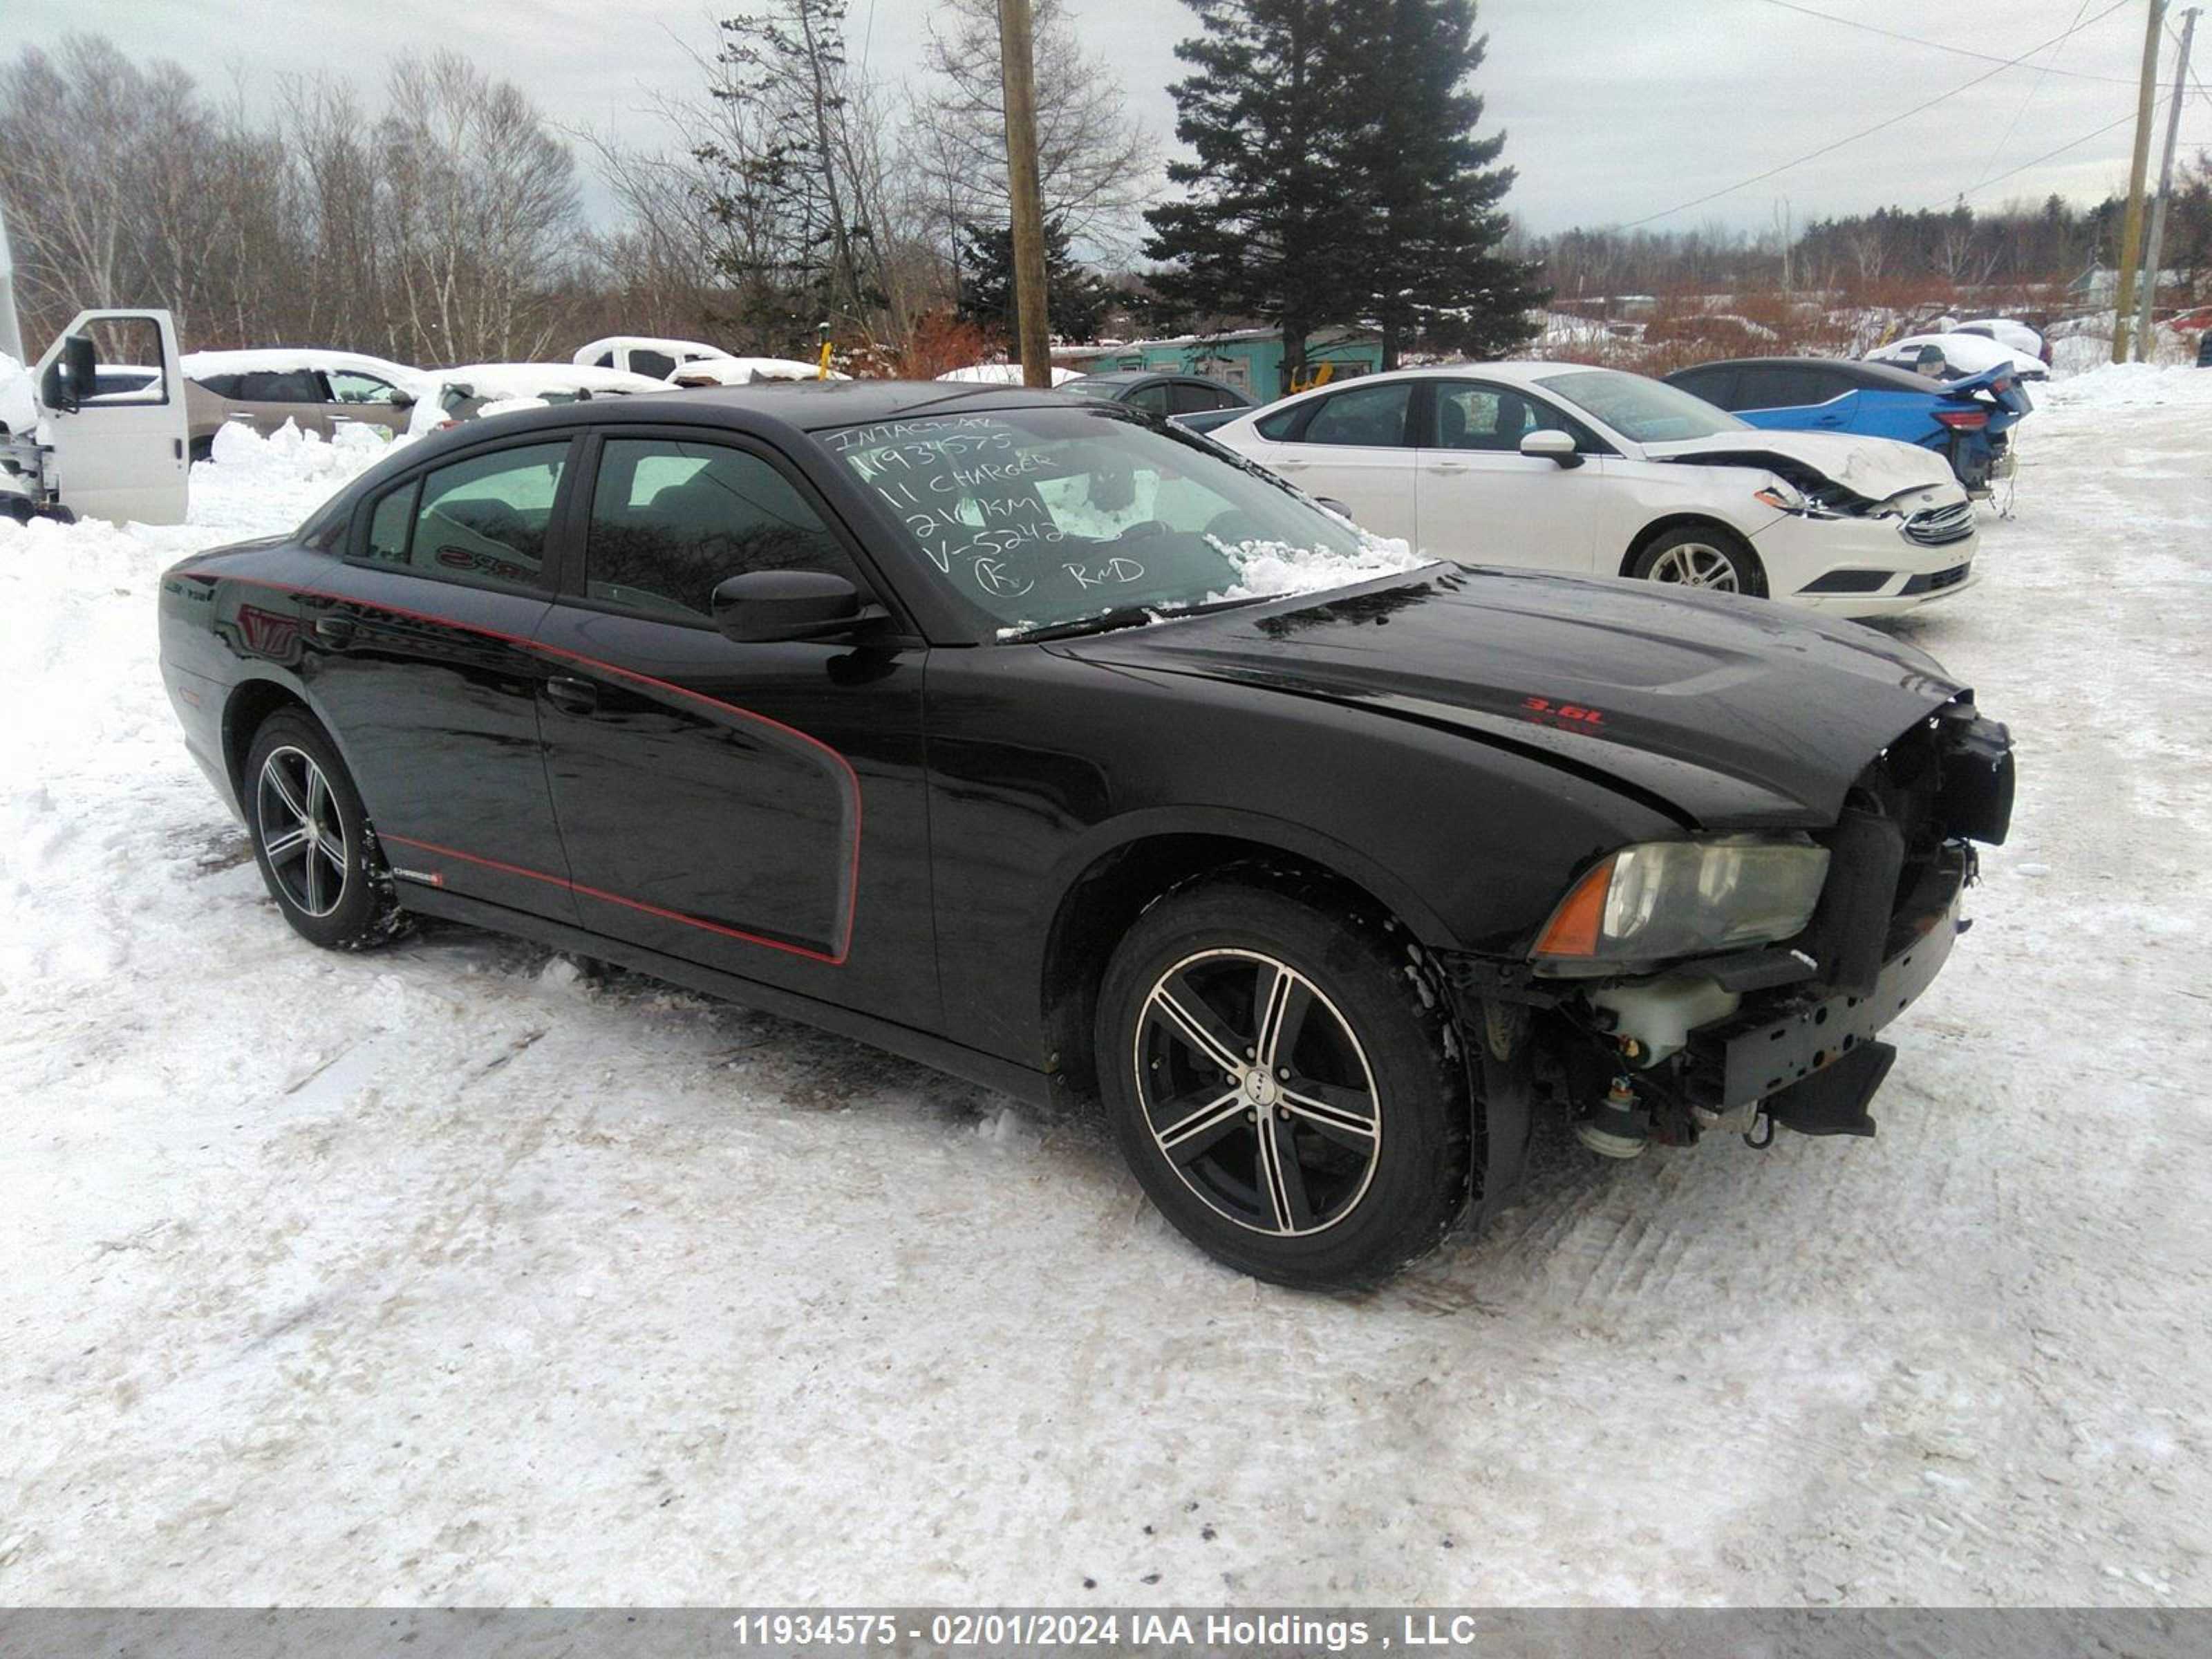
(935, 715)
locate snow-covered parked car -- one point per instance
(1041, 742)
(1592, 470)
(317, 390)
(1004, 374)
(453, 395)
(2010, 332)
(649, 354)
(1959, 356)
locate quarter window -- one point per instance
(1371, 416)
(671, 520)
(482, 521)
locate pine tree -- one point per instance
(1271, 225)
(1074, 297)
(786, 187)
(1430, 188)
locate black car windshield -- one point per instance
(1642, 411)
(1045, 516)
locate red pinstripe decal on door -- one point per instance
(612, 898)
(560, 653)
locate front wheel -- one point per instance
(312, 840)
(1281, 1084)
(1704, 557)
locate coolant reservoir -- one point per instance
(1661, 1013)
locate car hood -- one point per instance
(1877, 468)
(1726, 712)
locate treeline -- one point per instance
(2018, 245)
(439, 229)
(1340, 178)
(438, 219)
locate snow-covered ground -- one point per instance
(450, 1275)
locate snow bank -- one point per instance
(278, 480)
(19, 404)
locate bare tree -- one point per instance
(1097, 166)
(477, 209)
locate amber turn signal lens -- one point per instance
(1574, 927)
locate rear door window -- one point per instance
(1367, 415)
(298, 385)
(1788, 386)
(644, 360)
(1716, 386)
(482, 521)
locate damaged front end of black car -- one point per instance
(1736, 984)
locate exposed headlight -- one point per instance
(1666, 899)
(1780, 495)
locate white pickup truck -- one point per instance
(79, 441)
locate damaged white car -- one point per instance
(1561, 466)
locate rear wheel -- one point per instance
(1279, 1084)
(1702, 555)
(312, 840)
(203, 449)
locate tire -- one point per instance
(201, 449)
(1704, 557)
(339, 896)
(1350, 1206)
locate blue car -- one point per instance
(1965, 421)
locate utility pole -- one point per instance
(1018, 68)
(2146, 336)
(2131, 222)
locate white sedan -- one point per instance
(1564, 467)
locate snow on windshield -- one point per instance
(1268, 570)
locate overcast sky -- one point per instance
(1614, 109)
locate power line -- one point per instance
(1864, 133)
(1956, 51)
(2025, 99)
(2071, 143)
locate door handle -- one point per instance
(577, 696)
(334, 630)
(1290, 466)
(1831, 420)
(1448, 466)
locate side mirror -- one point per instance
(1551, 445)
(1334, 506)
(400, 399)
(69, 379)
(762, 606)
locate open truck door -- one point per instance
(112, 393)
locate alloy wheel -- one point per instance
(1257, 1093)
(302, 835)
(1695, 564)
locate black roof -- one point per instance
(812, 405)
(1864, 373)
